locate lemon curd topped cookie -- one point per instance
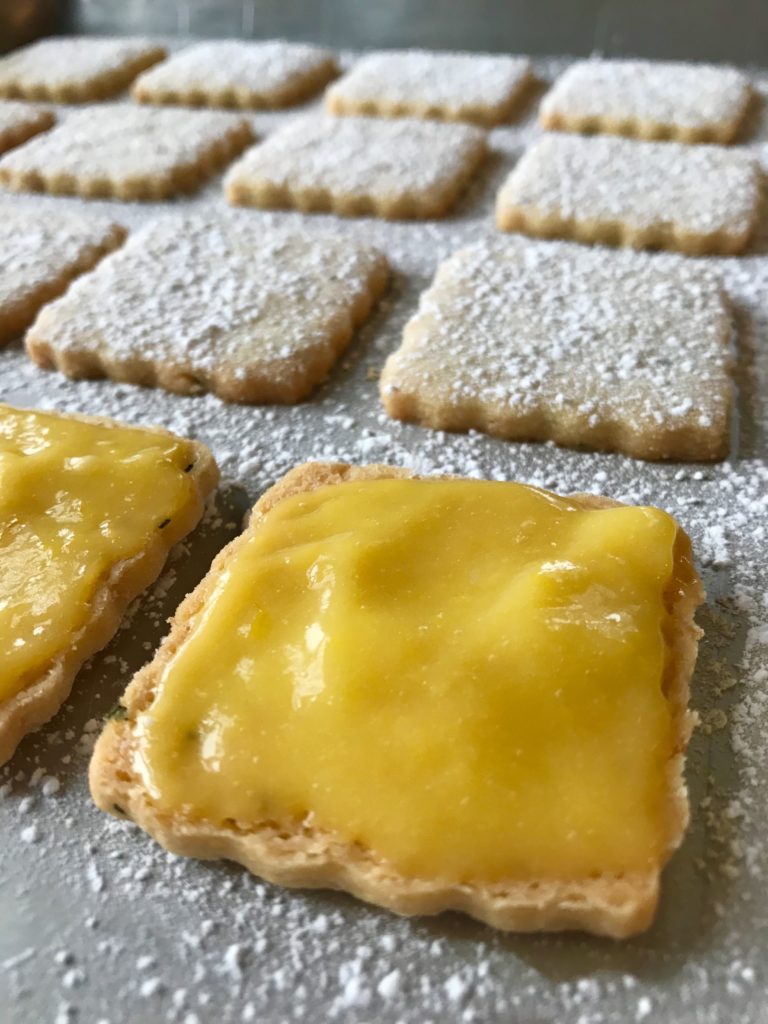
(432, 693)
(89, 509)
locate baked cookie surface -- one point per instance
(75, 69)
(548, 341)
(20, 121)
(481, 88)
(199, 303)
(233, 73)
(387, 776)
(89, 510)
(695, 199)
(40, 253)
(127, 152)
(649, 100)
(359, 166)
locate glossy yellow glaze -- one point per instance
(76, 498)
(463, 676)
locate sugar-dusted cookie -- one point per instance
(357, 166)
(432, 693)
(127, 152)
(483, 88)
(584, 346)
(233, 73)
(76, 69)
(195, 304)
(685, 102)
(89, 509)
(20, 121)
(41, 251)
(695, 199)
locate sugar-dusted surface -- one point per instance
(451, 86)
(40, 252)
(649, 191)
(75, 68)
(357, 165)
(100, 924)
(197, 303)
(116, 148)
(234, 73)
(20, 121)
(696, 102)
(582, 345)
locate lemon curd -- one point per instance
(464, 677)
(76, 498)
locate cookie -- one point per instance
(214, 304)
(20, 121)
(127, 152)
(40, 253)
(648, 100)
(89, 510)
(359, 166)
(694, 199)
(75, 69)
(382, 668)
(481, 88)
(537, 341)
(232, 73)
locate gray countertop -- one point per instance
(99, 924)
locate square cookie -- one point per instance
(648, 100)
(75, 69)
(20, 121)
(196, 304)
(232, 73)
(537, 341)
(40, 253)
(695, 199)
(483, 88)
(127, 152)
(358, 166)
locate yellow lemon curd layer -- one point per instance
(464, 677)
(76, 498)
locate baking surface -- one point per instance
(100, 925)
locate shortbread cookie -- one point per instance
(482, 88)
(89, 509)
(41, 251)
(685, 102)
(359, 166)
(127, 152)
(695, 199)
(20, 121)
(196, 304)
(539, 341)
(383, 669)
(233, 73)
(76, 69)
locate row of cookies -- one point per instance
(522, 339)
(697, 199)
(652, 100)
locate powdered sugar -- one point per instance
(19, 121)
